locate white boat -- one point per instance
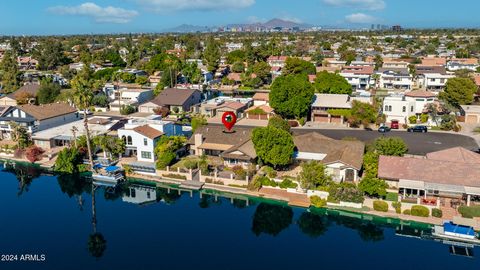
(454, 230)
(111, 175)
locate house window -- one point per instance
(145, 142)
(146, 155)
(411, 108)
(148, 194)
(129, 140)
(404, 109)
(132, 193)
(386, 108)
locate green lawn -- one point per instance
(392, 197)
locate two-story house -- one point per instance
(322, 103)
(141, 135)
(36, 118)
(132, 97)
(395, 78)
(432, 78)
(174, 99)
(358, 76)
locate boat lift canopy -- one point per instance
(112, 169)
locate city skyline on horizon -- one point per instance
(60, 17)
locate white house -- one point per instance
(140, 194)
(463, 63)
(432, 78)
(141, 135)
(398, 108)
(231, 46)
(395, 79)
(358, 76)
(132, 97)
(421, 99)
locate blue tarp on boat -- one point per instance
(97, 166)
(454, 228)
(111, 169)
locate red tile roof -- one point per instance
(148, 131)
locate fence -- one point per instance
(215, 179)
(176, 174)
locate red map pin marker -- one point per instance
(229, 119)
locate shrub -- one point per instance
(469, 211)
(190, 164)
(380, 206)
(127, 109)
(397, 206)
(288, 183)
(437, 212)
(346, 193)
(424, 118)
(412, 119)
(270, 171)
(317, 201)
(420, 211)
(175, 176)
(240, 173)
(391, 196)
(406, 212)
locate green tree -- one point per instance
(212, 54)
(458, 91)
(235, 56)
(48, 92)
(51, 55)
(313, 175)
(192, 73)
(262, 70)
(332, 83)
(68, 160)
(390, 146)
(278, 122)
(198, 121)
(291, 96)
(273, 146)
(373, 186)
(370, 164)
(20, 135)
(166, 150)
(10, 75)
(295, 65)
(100, 100)
(362, 113)
(238, 67)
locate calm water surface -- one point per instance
(143, 227)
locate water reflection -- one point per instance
(271, 219)
(268, 218)
(25, 174)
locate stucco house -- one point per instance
(343, 159)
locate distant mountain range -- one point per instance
(272, 24)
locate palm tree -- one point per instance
(74, 132)
(104, 142)
(82, 98)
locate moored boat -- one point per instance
(457, 230)
(109, 175)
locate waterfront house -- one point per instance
(26, 94)
(65, 134)
(343, 159)
(236, 147)
(445, 176)
(37, 118)
(142, 134)
(176, 100)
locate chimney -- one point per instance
(198, 141)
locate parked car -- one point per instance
(418, 129)
(384, 129)
(394, 124)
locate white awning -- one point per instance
(412, 184)
(472, 190)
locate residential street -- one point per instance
(418, 143)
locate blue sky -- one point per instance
(121, 16)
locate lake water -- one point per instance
(143, 227)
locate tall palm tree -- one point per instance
(82, 98)
(74, 132)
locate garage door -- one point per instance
(321, 118)
(471, 119)
(336, 119)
